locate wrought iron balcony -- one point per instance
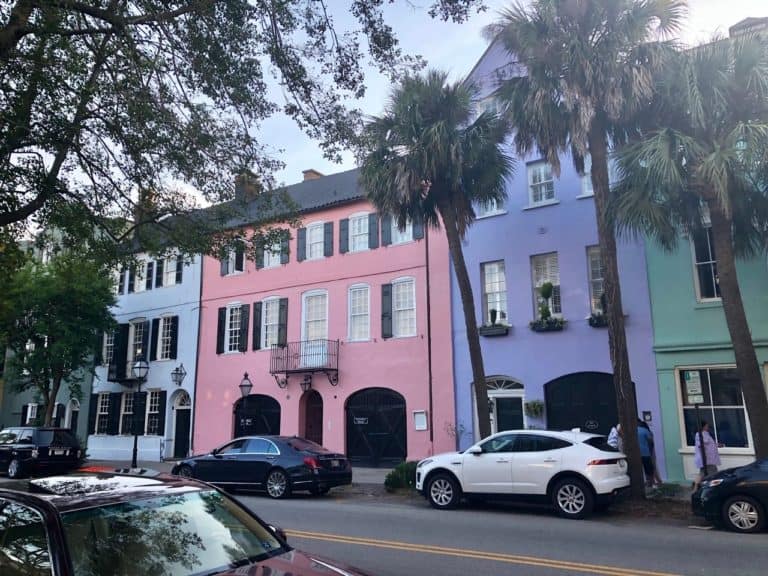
(307, 356)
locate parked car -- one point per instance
(574, 471)
(122, 525)
(28, 450)
(736, 498)
(278, 464)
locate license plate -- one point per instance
(334, 463)
(59, 452)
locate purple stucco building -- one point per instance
(546, 232)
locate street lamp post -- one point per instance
(178, 374)
(139, 370)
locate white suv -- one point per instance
(575, 471)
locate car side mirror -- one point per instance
(475, 450)
(279, 532)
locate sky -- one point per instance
(456, 48)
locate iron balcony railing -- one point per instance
(305, 356)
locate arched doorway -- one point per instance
(256, 414)
(376, 427)
(311, 425)
(585, 400)
(505, 397)
(182, 409)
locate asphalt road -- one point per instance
(390, 537)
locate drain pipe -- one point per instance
(429, 341)
(197, 358)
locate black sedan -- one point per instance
(736, 498)
(29, 449)
(123, 525)
(277, 464)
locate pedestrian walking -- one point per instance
(706, 457)
(645, 440)
(656, 479)
(615, 439)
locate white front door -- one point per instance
(314, 333)
(535, 460)
(491, 471)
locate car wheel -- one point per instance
(14, 468)
(185, 472)
(743, 514)
(277, 484)
(443, 492)
(573, 499)
(315, 491)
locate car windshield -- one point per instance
(191, 533)
(56, 438)
(8, 436)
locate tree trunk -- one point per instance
(617, 338)
(50, 402)
(15, 29)
(470, 321)
(747, 366)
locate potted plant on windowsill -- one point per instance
(598, 319)
(494, 329)
(534, 409)
(546, 322)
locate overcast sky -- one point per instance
(456, 49)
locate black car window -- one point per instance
(23, 541)
(503, 443)
(26, 437)
(526, 443)
(8, 436)
(235, 447)
(601, 443)
(56, 438)
(548, 443)
(258, 446)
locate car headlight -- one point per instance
(712, 483)
(35, 453)
(424, 462)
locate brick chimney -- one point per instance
(758, 26)
(247, 186)
(312, 174)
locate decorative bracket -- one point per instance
(333, 377)
(281, 382)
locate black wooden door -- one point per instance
(376, 428)
(257, 415)
(509, 414)
(313, 416)
(181, 434)
(585, 400)
(73, 420)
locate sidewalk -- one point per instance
(366, 476)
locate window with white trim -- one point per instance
(126, 414)
(315, 241)
(705, 265)
(316, 316)
(234, 317)
(272, 256)
(401, 236)
(595, 264)
(404, 307)
(31, 413)
(102, 414)
(153, 413)
(545, 268)
(358, 232)
(165, 337)
(489, 208)
(494, 292)
(140, 277)
(541, 184)
(136, 340)
(169, 270)
(723, 406)
(270, 322)
(235, 261)
(108, 349)
(359, 313)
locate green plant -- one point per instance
(598, 320)
(545, 291)
(534, 408)
(401, 476)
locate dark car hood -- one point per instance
(295, 563)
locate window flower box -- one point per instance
(548, 325)
(598, 320)
(494, 330)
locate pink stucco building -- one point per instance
(334, 331)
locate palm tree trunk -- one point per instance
(617, 338)
(470, 321)
(747, 366)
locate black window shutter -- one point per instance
(117, 368)
(282, 329)
(343, 235)
(145, 341)
(24, 412)
(113, 417)
(121, 281)
(301, 244)
(131, 279)
(154, 339)
(285, 251)
(257, 325)
(92, 407)
(220, 330)
(386, 230)
(373, 231)
(159, 266)
(174, 336)
(245, 311)
(161, 413)
(59, 411)
(417, 229)
(259, 257)
(224, 266)
(139, 424)
(150, 275)
(328, 239)
(239, 255)
(99, 348)
(179, 269)
(386, 310)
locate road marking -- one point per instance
(476, 554)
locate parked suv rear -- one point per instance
(26, 450)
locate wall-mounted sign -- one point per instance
(591, 424)
(360, 420)
(420, 419)
(695, 398)
(692, 382)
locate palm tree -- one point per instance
(701, 163)
(427, 158)
(587, 66)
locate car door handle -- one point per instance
(503, 461)
(270, 457)
(550, 460)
